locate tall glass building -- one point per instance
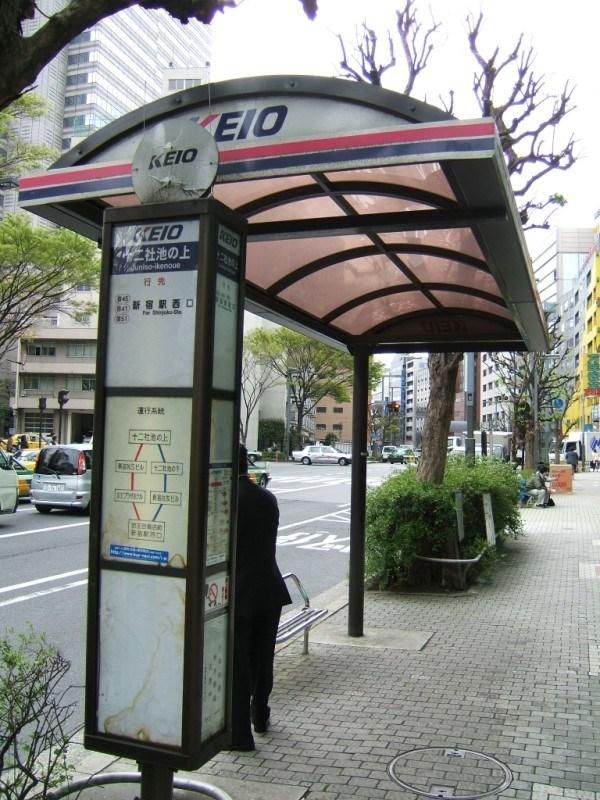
(122, 63)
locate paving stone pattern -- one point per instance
(511, 671)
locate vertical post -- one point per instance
(157, 782)
(535, 413)
(469, 381)
(358, 492)
(42, 407)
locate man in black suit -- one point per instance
(260, 593)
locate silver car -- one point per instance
(321, 454)
(63, 478)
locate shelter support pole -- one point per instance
(360, 400)
(156, 782)
(469, 380)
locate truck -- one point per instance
(585, 443)
(497, 444)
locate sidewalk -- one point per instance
(509, 670)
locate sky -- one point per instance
(269, 37)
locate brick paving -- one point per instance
(511, 671)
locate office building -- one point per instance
(122, 63)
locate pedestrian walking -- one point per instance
(572, 458)
(260, 594)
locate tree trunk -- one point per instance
(443, 371)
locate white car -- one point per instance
(321, 454)
(387, 450)
(9, 488)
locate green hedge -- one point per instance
(406, 518)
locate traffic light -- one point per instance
(42, 403)
(396, 407)
(63, 397)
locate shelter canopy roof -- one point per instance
(373, 219)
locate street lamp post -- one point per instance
(289, 391)
(42, 408)
(63, 398)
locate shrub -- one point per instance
(33, 716)
(406, 518)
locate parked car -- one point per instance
(24, 476)
(63, 478)
(403, 454)
(9, 490)
(321, 454)
(25, 440)
(259, 474)
(386, 450)
(254, 456)
(27, 457)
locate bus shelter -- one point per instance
(375, 223)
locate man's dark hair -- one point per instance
(243, 465)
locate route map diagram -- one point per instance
(145, 505)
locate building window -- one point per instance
(49, 322)
(176, 84)
(85, 36)
(34, 384)
(75, 80)
(78, 58)
(338, 427)
(321, 427)
(74, 122)
(40, 349)
(321, 409)
(81, 383)
(81, 350)
(338, 410)
(76, 100)
(32, 422)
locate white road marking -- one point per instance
(58, 577)
(34, 595)
(312, 519)
(331, 542)
(314, 485)
(43, 530)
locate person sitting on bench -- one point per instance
(538, 488)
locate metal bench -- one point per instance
(297, 622)
(462, 564)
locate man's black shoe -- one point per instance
(261, 727)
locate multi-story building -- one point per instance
(584, 412)
(123, 62)
(562, 271)
(333, 417)
(58, 356)
(417, 397)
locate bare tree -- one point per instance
(257, 376)
(528, 119)
(23, 57)
(532, 382)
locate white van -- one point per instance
(9, 486)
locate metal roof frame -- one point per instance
(374, 219)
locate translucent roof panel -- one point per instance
(372, 218)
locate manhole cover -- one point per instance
(449, 772)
